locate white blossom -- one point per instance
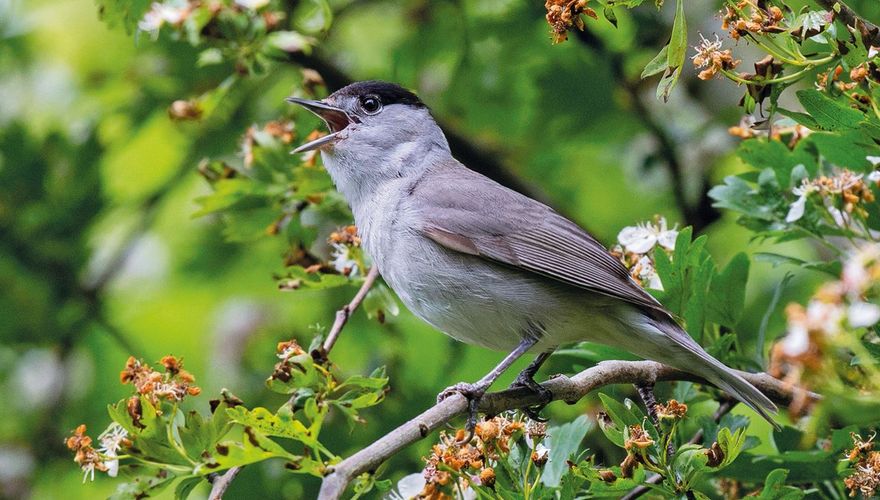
(797, 209)
(796, 341)
(343, 261)
(409, 487)
(111, 442)
(161, 13)
(863, 314)
(641, 238)
(647, 273)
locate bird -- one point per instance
(482, 263)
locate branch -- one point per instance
(343, 314)
(221, 483)
(569, 389)
(870, 31)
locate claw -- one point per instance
(533, 412)
(474, 393)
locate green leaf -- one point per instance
(254, 447)
(267, 423)
(126, 13)
(801, 118)
(146, 481)
(185, 487)
(828, 113)
(380, 302)
(564, 442)
(297, 277)
(727, 293)
(775, 488)
(667, 83)
(845, 149)
(731, 445)
(658, 64)
(609, 14)
(313, 16)
(678, 39)
(297, 372)
(773, 154)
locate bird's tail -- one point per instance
(692, 358)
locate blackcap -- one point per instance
(480, 262)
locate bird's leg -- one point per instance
(526, 379)
(474, 392)
(646, 392)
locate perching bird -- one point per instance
(480, 262)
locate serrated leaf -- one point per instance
(564, 441)
(270, 424)
(828, 113)
(727, 292)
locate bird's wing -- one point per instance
(467, 212)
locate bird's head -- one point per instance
(370, 118)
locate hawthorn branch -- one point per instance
(569, 389)
(870, 31)
(343, 314)
(221, 483)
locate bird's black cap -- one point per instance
(388, 93)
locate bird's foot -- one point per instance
(533, 412)
(474, 393)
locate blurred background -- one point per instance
(101, 256)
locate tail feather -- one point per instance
(699, 362)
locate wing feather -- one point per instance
(460, 210)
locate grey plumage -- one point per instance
(482, 263)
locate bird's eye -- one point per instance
(371, 105)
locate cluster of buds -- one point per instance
(865, 463)
(748, 17)
(635, 246)
(293, 359)
(457, 465)
(104, 459)
(637, 441)
(563, 15)
(791, 135)
(346, 254)
(711, 57)
(843, 194)
(837, 307)
(173, 385)
(831, 77)
(280, 130)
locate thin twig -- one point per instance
(343, 314)
(221, 483)
(848, 17)
(570, 389)
(697, 438)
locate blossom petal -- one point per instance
(863, 314)
(797, 209)
(667, 239)
(637, 239)
(797, 341)
(410, 486)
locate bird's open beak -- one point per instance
(335, 118)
